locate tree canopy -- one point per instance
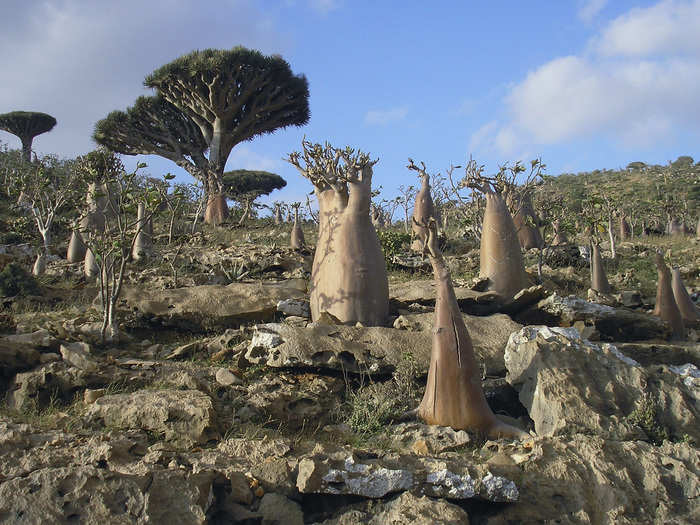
(251, 183)
(233, 95)
(153, 126)
(26, 125)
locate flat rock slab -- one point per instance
(570, 385)
(489, 335)
(211, 306)
(616, 324)
(182, 417)
(423, 292)
(376, 350)
(376, 478)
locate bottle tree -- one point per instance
(209, 101)
(26, 125)
(348, 275)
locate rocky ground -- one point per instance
(224, 404)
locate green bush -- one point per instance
(15, 280)
(393, 243)
(645, 417)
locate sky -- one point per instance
(581, 84)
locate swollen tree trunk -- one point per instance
(39, 267)
(297, 238)
(625, 231)
(666, 307)
(501, 259)
(453, 394)
(423, 210)
(599, 281)
(76, 248)
(559, 235)
(348, 276)
(689, 312)
(525, 222)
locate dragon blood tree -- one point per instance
(245, 186)
(26, 125)
(666, 307)
(209, 101)
(453, 394)
(348, 276)
(423, 209)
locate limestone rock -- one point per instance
(569, 385)
(280, 510)
(617, 324)
(295, 307)
(79, 355)
(423, 292)
(489, 335)
(16, 357)
(376, 478)
(405, 509)
(211, 306)
(183, 417)
(376, 350)
(436, 439)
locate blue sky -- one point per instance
(583, 84)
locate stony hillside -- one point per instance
(223, 403)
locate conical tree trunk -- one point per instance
(297, 237)
(39, 265)
(90, 267)
(599, 281)
(76, 248)
(453, 394)
(697, 229)
(529, 235)
(501, 259)
(689, 312)
(348, 278)
(666, 307)
(423, 210)
(217, 209)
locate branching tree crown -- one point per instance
(26, 125)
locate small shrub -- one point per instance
(15, 280)
(644, 416)
(393, 243)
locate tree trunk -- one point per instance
(423, 210)
(27, 148)
(142, 243)
(689, 312)
(529, 235)
(501, 259)
(297, 237)
(76, 248)
(348, 277)
(246, 212)
(39, 265)
(666, 307)
(217, 209)
(611, 235)
(453, 393)
(599, 281)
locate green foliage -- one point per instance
(26, 123)
(16, 280)
(251, 183)
(645, 417)
(393, 243)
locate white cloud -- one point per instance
(80, 59)
(381, 117)
(590, 9)
(667, 27)
(633, 85)
(242, 157)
